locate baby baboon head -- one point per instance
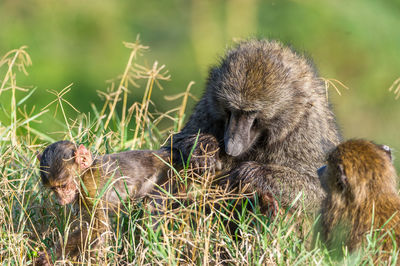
(358, 169)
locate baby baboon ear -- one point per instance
(343, 182)
(388, 150)
(83, 157)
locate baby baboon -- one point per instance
(360, 182)
(99, 183)
(264, 119)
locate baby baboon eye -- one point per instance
(342, 182)
(59, 187)
(68, 155)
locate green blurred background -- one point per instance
(80, 42)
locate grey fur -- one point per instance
(294, 126)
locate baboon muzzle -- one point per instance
(239, 134)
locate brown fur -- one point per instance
(361, 185)
(76, 177)
(265, 121)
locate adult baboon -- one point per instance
(265, 120)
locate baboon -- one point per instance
(97, 184)
(264, 121)
(361, 185)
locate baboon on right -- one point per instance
(265, 121)
(361, 185)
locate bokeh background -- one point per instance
(80, 42)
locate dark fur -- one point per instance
(55, 159)
(292, 126)
(360, 180)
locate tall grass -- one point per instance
(203, 225)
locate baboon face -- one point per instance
(58, 170)
(356, 166)
(254, 87)
(65, 192)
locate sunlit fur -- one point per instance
(361, 185)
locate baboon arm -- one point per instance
(277, 182)
(206, 128)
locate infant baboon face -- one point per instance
(60, 166)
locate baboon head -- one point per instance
(60, 166)
(259, 89)
(356, 168)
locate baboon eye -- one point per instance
(228, 116)
(255, 122)
(59, 187)
(68, 155)
(342, 182)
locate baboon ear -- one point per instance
(39, 156)
(343, 182)
(387, 149)
(83, 157)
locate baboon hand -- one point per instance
(205, 156)
(269, 205)
(43, 259)
(247, 178)
(244, 177)
(204, 159)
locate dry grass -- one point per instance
(202, 224)
(395, 87)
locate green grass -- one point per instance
(206, 225)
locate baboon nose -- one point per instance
(233, 149)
